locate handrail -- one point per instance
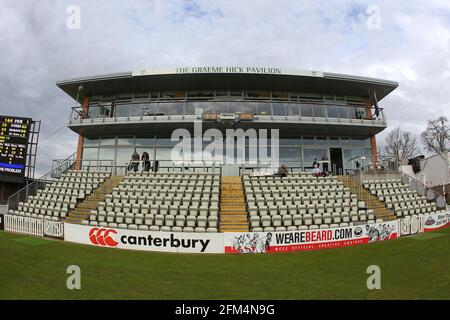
(31, 188)
(424, 190)
(182, 167)
(78, 114)
(62, 167)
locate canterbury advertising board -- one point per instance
(435, 221)
(144, 240)
(263, 242)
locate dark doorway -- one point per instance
(336, 161)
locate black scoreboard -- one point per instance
(14, 133)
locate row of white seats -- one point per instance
(152, 219)
(399, 197)
(309, 219)
(304, 209)
(35, 215)
(310, 227)
(159, 200)
(150, 228)
(193, 209)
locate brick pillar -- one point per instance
(373, 141)
(84, 113)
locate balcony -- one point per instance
(314, 118)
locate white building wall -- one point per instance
(435, 170)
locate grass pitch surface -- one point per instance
(33, 268)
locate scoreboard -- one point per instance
(14, 133)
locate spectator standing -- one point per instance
(135, 158)
(145, 161)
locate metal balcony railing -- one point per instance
(293, 110)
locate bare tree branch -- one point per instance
(399, 145)
(436, 137)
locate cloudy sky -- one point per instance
(404, 41)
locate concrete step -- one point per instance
(233, 204)
(235, 229)
(229, 210)
(231, 218)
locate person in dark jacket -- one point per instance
(135, 158)
(145, 161)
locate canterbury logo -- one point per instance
(102, 237)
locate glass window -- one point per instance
(167, 142)
(124, 156)
(90, 153)
(290, 142)
(264, 108)
(368, 155)
(123, 110)
(125, 141)
(319, 111)
(163, 154)
(334, 142)
(343, 112)
(352, 158)
(106, 154)
(332, 112)
(249, 107)
(311, 155)
(171, 108)
(351, 112)
(345, 141)
(198, 107)
(360, 142)
(309, 141)
(108, 141)
(279, 109)
(322, 141)
(292, 109)
(137, 110)
(234, 107)
(94, 112)
(144, 142)
(290, 156)
(251, 156)
(149, 109)
(306, 110)
(221, 107)
(90, 142)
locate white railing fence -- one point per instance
(33, 227)
(53, 229)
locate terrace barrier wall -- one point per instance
(247, 242)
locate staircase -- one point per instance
(82, 210)
(372, 202)
(233, 212)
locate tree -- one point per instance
(399, 145)
(436, 137)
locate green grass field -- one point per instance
(411, 268)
